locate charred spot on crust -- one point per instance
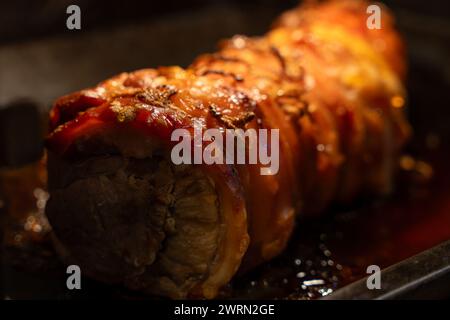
(229, 121)
(237, 78)
(293, 103)
(280, 58)
(159, 96)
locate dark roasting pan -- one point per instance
(423, 276)
(41, 60)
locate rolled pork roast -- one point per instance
(123, 211)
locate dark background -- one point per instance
(24, 19)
